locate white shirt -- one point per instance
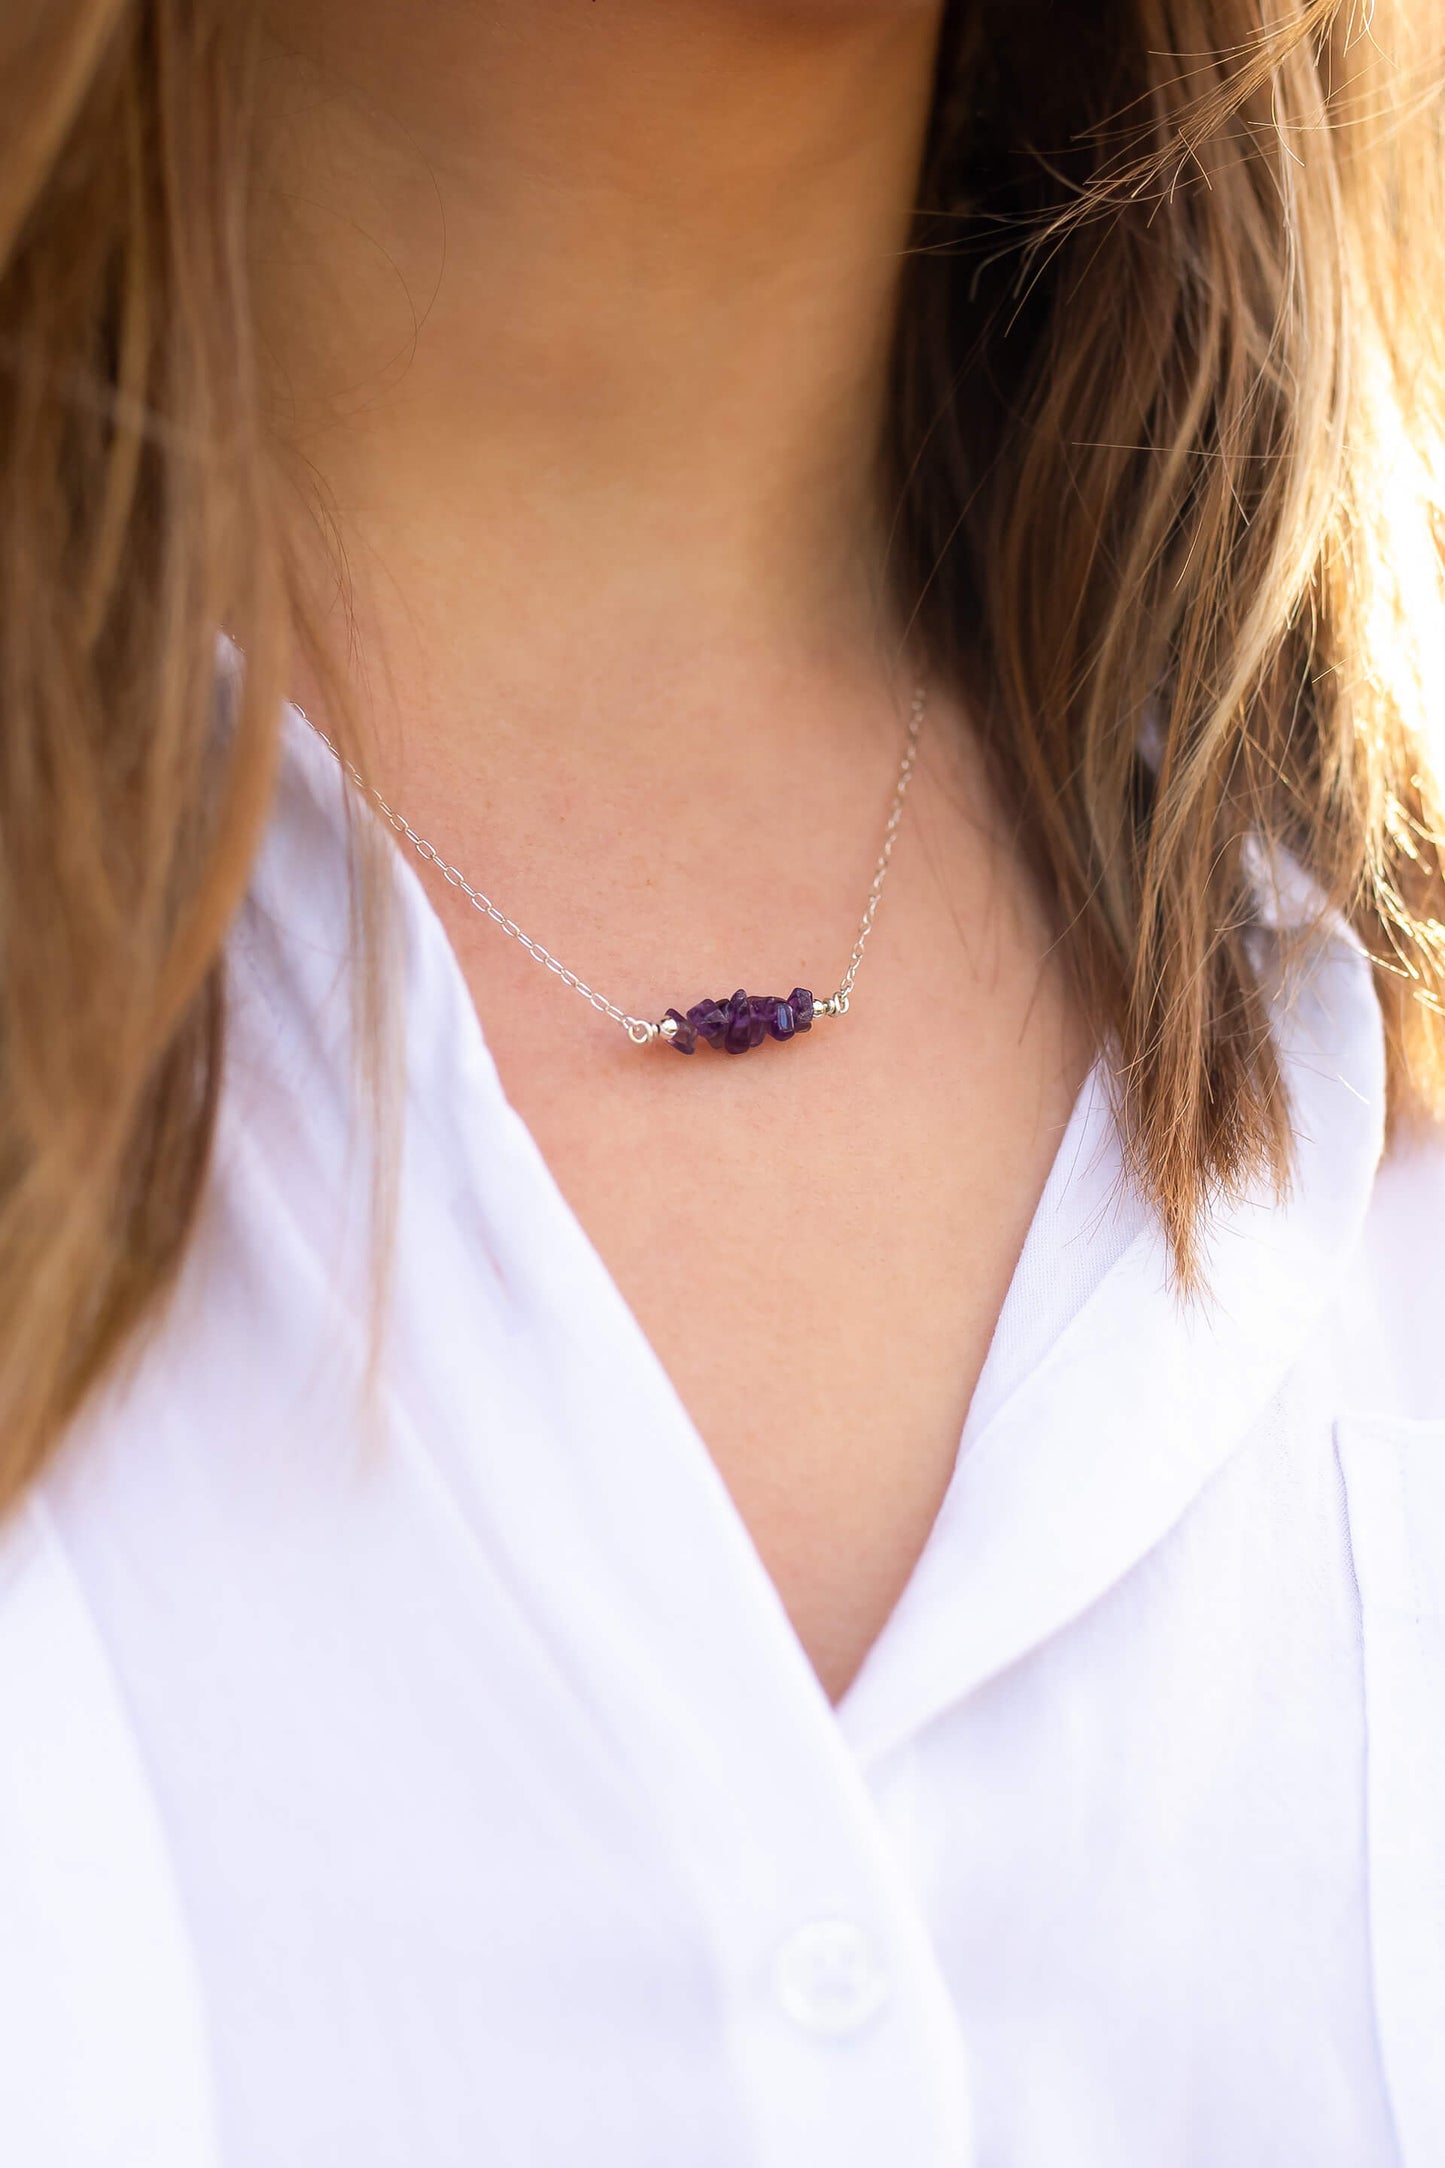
(452, 1789)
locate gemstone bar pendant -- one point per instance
(739, 1023)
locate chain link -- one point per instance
(638, 1028)
(839, 1001)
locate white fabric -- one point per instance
(453, 1790)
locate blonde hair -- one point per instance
(1165, 429)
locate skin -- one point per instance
(580, 312)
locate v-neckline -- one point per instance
(990, 1580)
(1083, 1132)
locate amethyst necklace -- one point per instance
(732, 1024)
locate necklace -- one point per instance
(733, 1024)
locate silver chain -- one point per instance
(638, 1028)
(838, 1003)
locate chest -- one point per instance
(816, 1237)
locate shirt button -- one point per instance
(829, 1978)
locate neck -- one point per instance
(581, 313)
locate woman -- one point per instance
(567, 1597)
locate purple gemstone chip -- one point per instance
(747, 1023)
(781, 1021)
(685, 1036)
(709, 1020)
(800, 1001)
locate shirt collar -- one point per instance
(1107, 1401)
(1077, 1463)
